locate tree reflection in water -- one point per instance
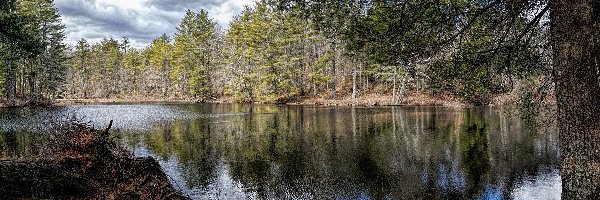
(474, 152)
(239, 151)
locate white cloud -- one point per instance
(140, 21)
(224, 13)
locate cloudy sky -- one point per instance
(139, 20)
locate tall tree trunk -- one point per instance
(578, 97)
(32, 84)
(394, 85)
(333, 72)
(11, 87)
(354, 80)
(315, 55)
(22, 82)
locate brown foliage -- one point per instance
(85, 164)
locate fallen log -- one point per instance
(87, 165)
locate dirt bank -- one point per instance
(112, 101)
(414, 99)
(28, 101)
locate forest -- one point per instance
(277, 51)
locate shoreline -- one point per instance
(118, 101)
(366, 100)
(369, 100)
(373, 100)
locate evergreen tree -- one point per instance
(266, 54)
(32, 30)
(194, 53)
(159, 64)
(80, 70)
(46, 73)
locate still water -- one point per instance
(232, 151)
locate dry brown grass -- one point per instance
(412, 99)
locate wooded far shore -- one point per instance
(413, 99)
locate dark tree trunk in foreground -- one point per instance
(578, 96)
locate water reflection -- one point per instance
(300, 152)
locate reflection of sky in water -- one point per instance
(330, 153)
(135, 117)
(131, 117)
(491, 193)
(450, 180)
(546, 185)
(222, 187)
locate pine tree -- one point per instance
(46, 74)
(33, 31)
(159, 62)
(266, 54)
(194, 51)
(16, 37)
(79, 83)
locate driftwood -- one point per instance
(87, 166)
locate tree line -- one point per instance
(275, 51)
(266, 55)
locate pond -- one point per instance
(233, 151)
